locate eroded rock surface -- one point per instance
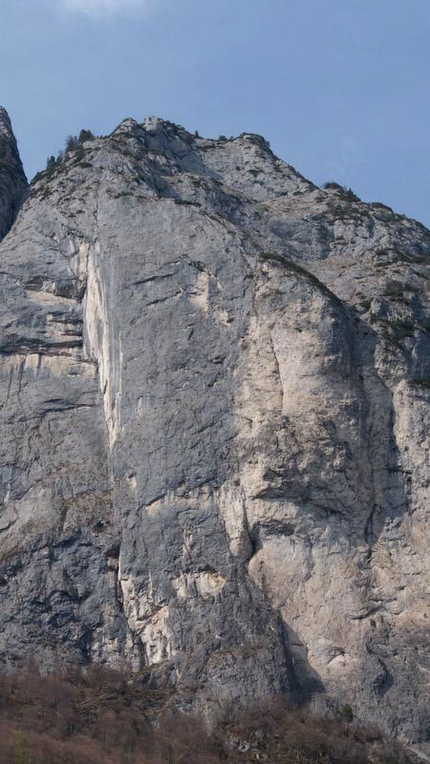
(214, 412)
(13, 183)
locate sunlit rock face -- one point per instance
(215, 448)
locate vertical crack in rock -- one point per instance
(102, 344)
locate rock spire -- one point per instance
(13, 183)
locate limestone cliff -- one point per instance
(214, 415)
(13, 183)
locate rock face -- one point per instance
(215, 438)
(13, 183)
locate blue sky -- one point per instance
(339, 87)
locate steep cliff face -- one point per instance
(13, 183)
(214, 414)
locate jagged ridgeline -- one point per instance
(215, 414)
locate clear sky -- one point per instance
(341, 88)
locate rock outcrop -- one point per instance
(13, 183)
(215, 415)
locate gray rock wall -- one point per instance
(13, 183)
(215, 454)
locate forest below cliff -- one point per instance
(98, 715)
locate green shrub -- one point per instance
(344, 192)
(72, 143)
(85, 135)
(346, 714)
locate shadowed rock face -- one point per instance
(214, 402)
(13, 183)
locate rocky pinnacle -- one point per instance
(5, 124)
(13, 183)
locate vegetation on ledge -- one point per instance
(73, 145)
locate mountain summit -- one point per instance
(215, 389)
(5, 124)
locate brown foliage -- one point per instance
(286, 734)
(106, 717)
